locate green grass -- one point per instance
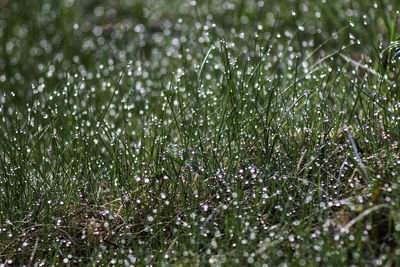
(217, 133)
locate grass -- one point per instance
(211, 133)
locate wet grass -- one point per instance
(210, 133)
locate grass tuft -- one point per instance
(212, 133)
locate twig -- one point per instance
(346, 228)
(33, 252)
(358, 158)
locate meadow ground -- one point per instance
(198, 133)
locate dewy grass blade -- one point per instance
(283, 121)
(203, 64)
(114, 92)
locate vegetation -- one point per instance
(199, 133)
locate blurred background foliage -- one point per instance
(78, 36)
